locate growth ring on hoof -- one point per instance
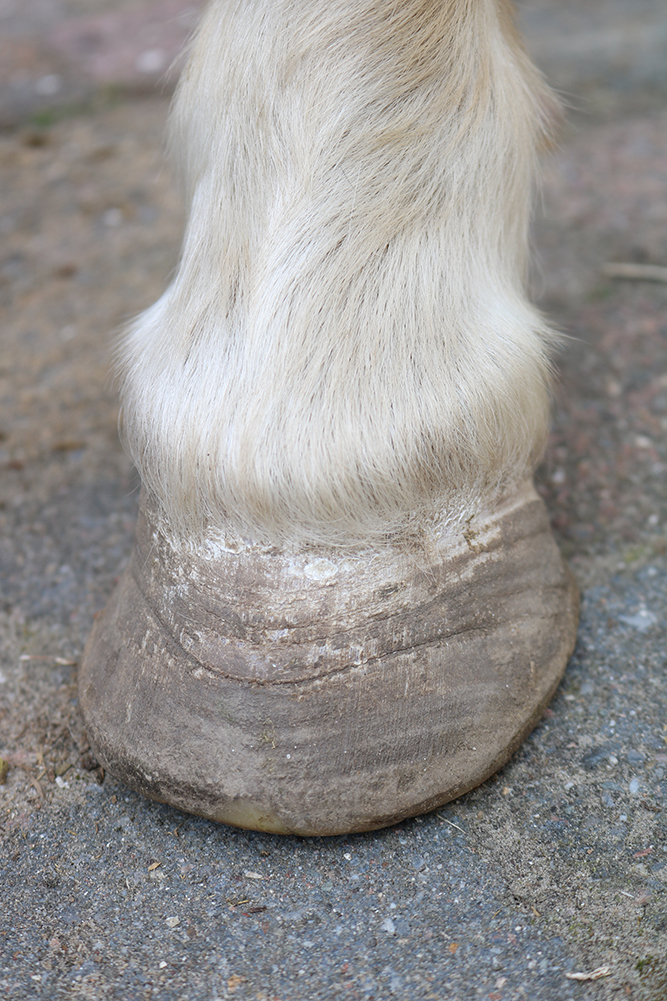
(321, 692)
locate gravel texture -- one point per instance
(558, 864)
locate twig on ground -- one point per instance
(601, 971)
(32, 780)
(635, 272)
(41, 656)
(451, 823)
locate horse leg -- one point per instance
(345, 605)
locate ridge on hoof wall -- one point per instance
(345, 605)
(321, 692)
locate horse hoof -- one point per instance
(319, 692)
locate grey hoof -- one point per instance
(323, 692)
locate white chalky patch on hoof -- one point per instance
(320, 569)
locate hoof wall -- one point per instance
(319, 693)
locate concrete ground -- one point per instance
(556, 866)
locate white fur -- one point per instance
(346, 348)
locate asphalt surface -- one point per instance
(556, 866)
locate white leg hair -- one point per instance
(346, 349)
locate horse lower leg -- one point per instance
(345, 605)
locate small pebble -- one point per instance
(112, 218)
(151, 61)
(48, 85)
